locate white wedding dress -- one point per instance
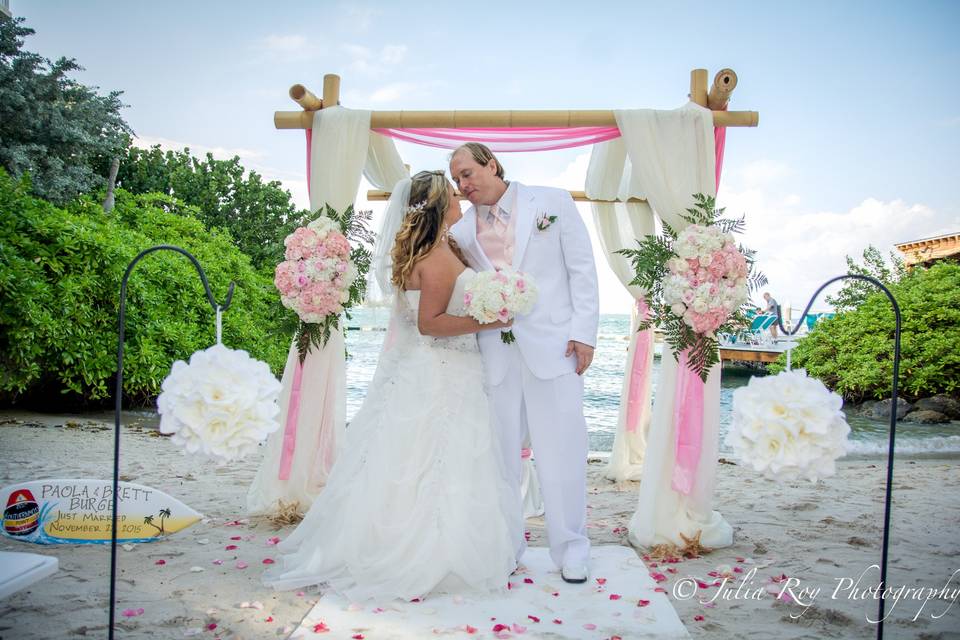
(415, 502)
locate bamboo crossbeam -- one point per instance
(459, 119)
(579, 196)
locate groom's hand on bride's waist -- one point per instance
(584, 355)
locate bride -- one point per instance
(415, 502)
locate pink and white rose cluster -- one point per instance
(707, 279)
(314, 280)
(499, 296)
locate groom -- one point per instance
(536, 383)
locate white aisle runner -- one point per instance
(618, 600)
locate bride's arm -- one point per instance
(436, 287)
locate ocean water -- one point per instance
(604, 381)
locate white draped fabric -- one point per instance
(671, 153)
(619, 226)
(342, 147)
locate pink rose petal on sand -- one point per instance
(321, 627)
(601, 581)
(534, 618)
(659, 577)
(229, 547)
(469, 629)
(234, 537)
(615, 596)
(160, 562)
(268, 561)
(358, 636)
(132, 613)
(518, 628)
(211, 626)
(660, 590)
(242, 565)
(272, 541)
(643, 603)
(698, 618)
(216, 562)
(557, 621)
(528, 580)
(589, 626)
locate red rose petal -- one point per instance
(557, 621)
(643, 603)
(235, 537)
(615, 596)
(528, 580)
(230, 547)
(660, 590)
(469, 629)
(589, 626)
(534, 618)
(698, 618)
(269, 619)
(211, 626)
(601, 581)
(160, 562)
(268, 561)
(320, 628)
(497, 628)
(358, 636)
(671, 569)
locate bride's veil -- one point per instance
(380, 291)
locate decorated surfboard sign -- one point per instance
(80, 511)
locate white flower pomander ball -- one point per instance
(223, 404)
(788, 426)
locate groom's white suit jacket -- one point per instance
(560, 261)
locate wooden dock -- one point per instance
(755, 353)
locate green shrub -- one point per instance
(852, 353)
(60, 274)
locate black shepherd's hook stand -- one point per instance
(893, 420)
(217, 308)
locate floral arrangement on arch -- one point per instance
(697, 280)
(323, 276)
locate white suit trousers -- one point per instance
(552, 410)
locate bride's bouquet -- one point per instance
(697, 282)
(322, 275)
(500, 295)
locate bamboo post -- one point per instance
(305, 98)
(331, 90)
(698, 87)
(723, 85)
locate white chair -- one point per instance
(20, 570)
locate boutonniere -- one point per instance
(544, 221)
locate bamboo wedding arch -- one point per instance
(716, 98)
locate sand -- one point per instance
(822, 536)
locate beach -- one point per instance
(808, 536)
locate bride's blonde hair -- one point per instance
(422, 226)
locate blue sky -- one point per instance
(859, 107)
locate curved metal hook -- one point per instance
(893, 415)
(218, 309)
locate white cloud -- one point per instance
(289, 48)
(760, 172)
(197, 149)
(367, 61)
(392, 92)
(798, 250)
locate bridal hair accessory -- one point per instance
(416, 208)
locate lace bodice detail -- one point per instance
(455, 307)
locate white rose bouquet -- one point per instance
(788, 426)
(500, 295)
(223, 404)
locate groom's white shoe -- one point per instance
(575, 573)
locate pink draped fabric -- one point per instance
(506, 139)
(688, 404)
(293, 411)
(639, 372)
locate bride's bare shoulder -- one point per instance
(441, 264)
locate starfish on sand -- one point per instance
(692, 547)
